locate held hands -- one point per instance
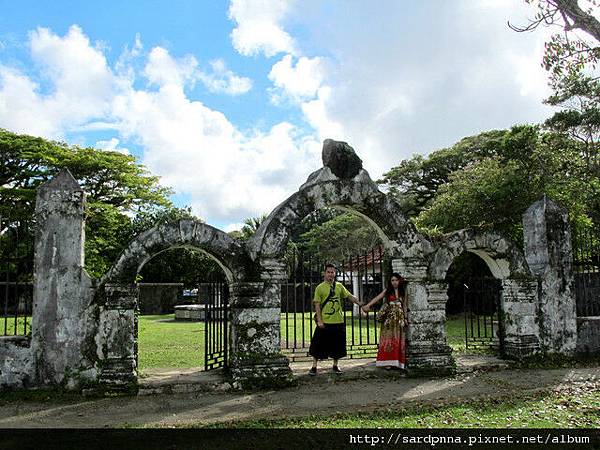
(364, 310)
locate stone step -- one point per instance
(177, 381)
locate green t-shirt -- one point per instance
(332, 312)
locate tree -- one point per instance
(494, 188)
(339, 239)
(488, 195)
(579, 96)
(566, 53)
(116, 186)
(251, 225)
(415, 182)
(579, 120)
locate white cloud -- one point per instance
(392, 81)
(111, 145)
(298, 82)
(228, 175)
(317, 115)
(199, 152)
(233, 227)
(223, 80)
(82, 86)
(412, 79)
(258, 27)
(162, 68)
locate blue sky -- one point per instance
(229, 102)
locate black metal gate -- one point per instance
(216, 336)
(482, 312)
(16, 276)
(586, 271)
(362, 275)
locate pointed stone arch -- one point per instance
(324, 189)
(340, 186)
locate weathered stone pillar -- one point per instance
(62, 290)
(427, 350)
(117, 338)
(255, 312)
(520, 321)
(549, 255)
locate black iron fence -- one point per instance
(586, 271)
(216, 341)
(363, 275)
(16, 276)
(481, 307)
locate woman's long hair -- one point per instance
(389, 289)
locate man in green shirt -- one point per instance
(329, 338)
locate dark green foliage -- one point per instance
(487, 181)
(415, 181)
(189, 266)
(340, 238)
(116, 188)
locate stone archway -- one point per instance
(507, 263)
(341, 183)
(84, 330)
(502, 257)
(117, 293)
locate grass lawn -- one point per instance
(7, 326)
(165, 343)
(577, 406)
(357, 331)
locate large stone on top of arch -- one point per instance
(503, 258)
(181, 233)
(341, 159)
(341, 183)
(323, 189)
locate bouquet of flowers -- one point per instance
(383, 313)
(390, 314)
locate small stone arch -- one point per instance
(191, 233)
(519, 297)
(117, 294)
(501, 255)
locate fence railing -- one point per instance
(363, 275)
(16, 276)
(586, 271)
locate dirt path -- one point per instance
(324, 394)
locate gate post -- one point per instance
(62, 291)
(255, 312)
(519, 318)
(550, 257)
(117, 338)
(428, 352)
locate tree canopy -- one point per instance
(117, 188)
(489, 185)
